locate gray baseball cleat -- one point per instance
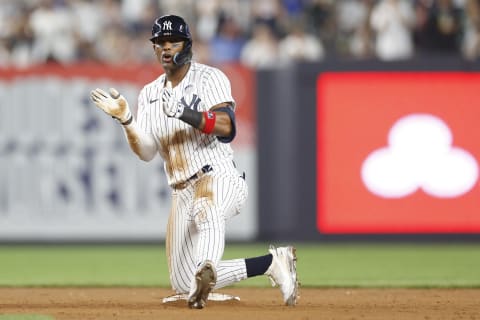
(205, 280)
(283, 272)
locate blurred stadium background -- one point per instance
(319, 84)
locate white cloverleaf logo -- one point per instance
(419, 155)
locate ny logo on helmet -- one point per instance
(167, 25)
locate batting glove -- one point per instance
(171, 107)
(112, 104)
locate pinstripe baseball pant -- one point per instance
(196, 226)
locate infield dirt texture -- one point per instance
(256, 303)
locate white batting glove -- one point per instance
(113, 104)
(171, 107)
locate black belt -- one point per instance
(201, 172)
(204, 170)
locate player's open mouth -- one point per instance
(167, 58)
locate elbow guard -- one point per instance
(228, 110)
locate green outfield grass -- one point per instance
(332, 265)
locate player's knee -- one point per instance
(205, 215)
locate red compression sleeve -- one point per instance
(210, 118)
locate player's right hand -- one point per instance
(171, 107)
(113, 104)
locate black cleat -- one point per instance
(205, 280)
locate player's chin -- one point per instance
(167, 63)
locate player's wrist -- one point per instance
(127, 120)
(209, 121)
(194, 118)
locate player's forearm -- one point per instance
(222, 127)
(142, 144)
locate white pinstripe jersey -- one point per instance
(184, 149)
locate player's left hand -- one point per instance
(171, 106)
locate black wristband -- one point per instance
(193, 118)
(127, 122)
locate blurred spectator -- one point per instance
(88, 23)
(53, 30)
(421, 9)
(207, 22)
(183, 8)
(300, 46)
(261, 51)
(352, 26)
(227, 45)
(115, 46)
(320, 20)
(115, 31)
(294, 8)
(268, 12)
(201, 51)
(4, 53)
(16, 38)
(88, 19)
(240, 10)
(471, 30)
(361, 44)
(392, 20)
(442, 30)
(133, 12)
(319, 16)
(111, 12)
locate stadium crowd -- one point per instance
(257, 33)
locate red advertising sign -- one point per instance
(398, 152)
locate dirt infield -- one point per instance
(261, 303)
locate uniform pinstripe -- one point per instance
(201, 206)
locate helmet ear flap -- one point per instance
(185, 55)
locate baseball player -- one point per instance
(187, 115)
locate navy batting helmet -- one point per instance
(174, 26)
